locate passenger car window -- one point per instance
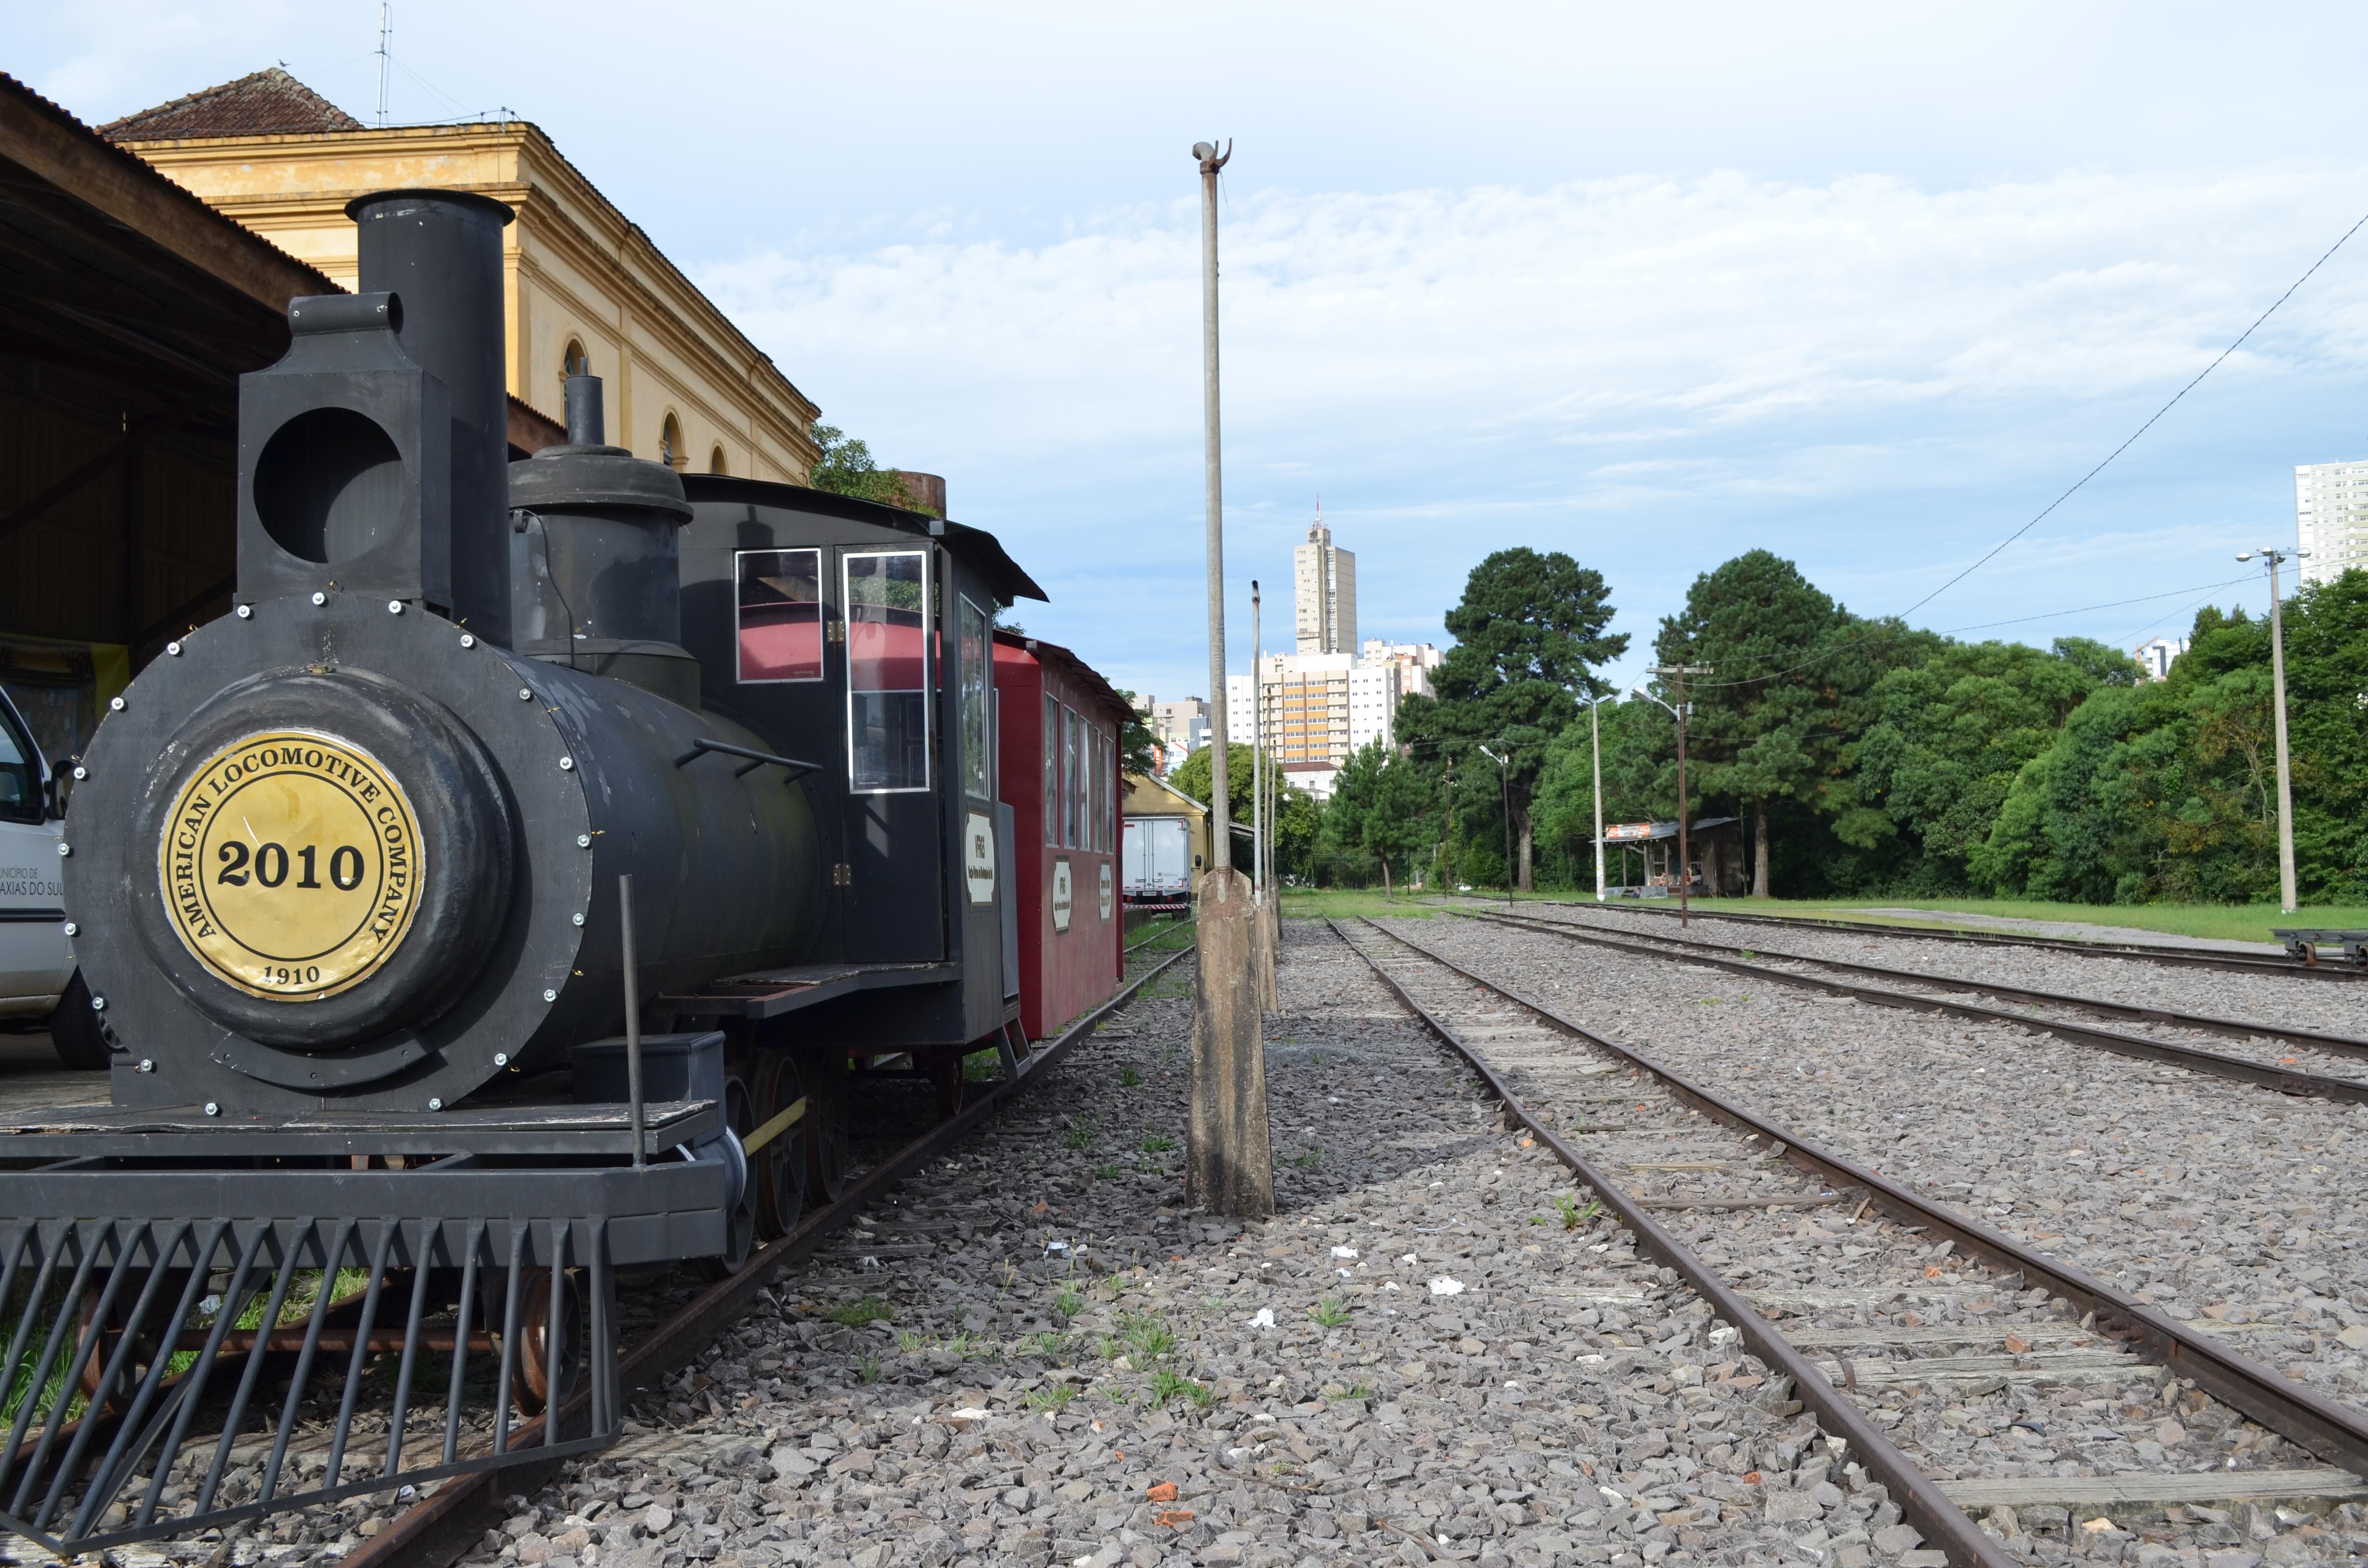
(889, 670)
(1052, 771)
(779, 614)
(20, 775)
(973, 654)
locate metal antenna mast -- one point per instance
(385, 32)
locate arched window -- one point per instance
(670, 443)
(716, 461)
(574, 362)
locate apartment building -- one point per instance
(2331, 517)
(1324, 592)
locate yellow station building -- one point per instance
(587, 289)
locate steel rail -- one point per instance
(2284, 1080)
(1172, 926)
(2202, 1023)
(1919, 1499)
(2190, 957)
(442, 1528)
(2336, 1432)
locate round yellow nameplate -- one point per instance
(291, 865)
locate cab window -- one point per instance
(779, 614)
(890, 669)
(20, 775)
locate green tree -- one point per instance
(1138, 748)
(1529, 633)
(847, 469)
(1950, 734)
(1789, 672)
(1297, 815)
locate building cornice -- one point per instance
(569, 211)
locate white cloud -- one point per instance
(1454, 370)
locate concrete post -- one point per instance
(1228, 1149)
(1229, 1153)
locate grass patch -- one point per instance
(862, 1312)
(1154, 1143)
(1147, 1337)
(1051, 1345)
(1573, 1216)
(1054, 1400)
(1166, 1387)
(1346, 903)
(1082, 1133)
(1172, 934)
(869, 1370)
(2232, 922)
(1108, 1173)
(1331, 1311)
(1307, 1160)
(1069, 1302)
(1128, 1078)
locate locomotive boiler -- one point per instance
(504, 787)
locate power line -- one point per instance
(2077, 484)
(2142, 598)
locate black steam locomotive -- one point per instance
(490, 902)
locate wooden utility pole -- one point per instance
(1228, 1150)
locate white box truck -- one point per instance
(1155, 860)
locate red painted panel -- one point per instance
(1062, 973)
(780, 642)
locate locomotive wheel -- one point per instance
(825, 1081)
(779, 1169)
(740, 1235)
(530, 1381)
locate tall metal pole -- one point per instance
(2286, 900)
(1221, 834)
(1595, 734)
(1677, 674)
(1258, 750)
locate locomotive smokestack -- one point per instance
(586, 424)
(441, 251)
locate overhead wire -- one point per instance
(2077, 484)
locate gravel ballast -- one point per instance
(1979, 1381)
(1415, 1360)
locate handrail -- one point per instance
(756, 759)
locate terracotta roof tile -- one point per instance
(268, 103)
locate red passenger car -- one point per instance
(1057, 730)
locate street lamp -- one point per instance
(2271, 556)
(1506, 780)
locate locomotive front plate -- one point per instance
(291, 865)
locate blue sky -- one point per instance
(1867, 285)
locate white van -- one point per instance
(39, 984)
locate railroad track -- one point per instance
(2029, 1354)
(2274, 1074)
(445, 1525)
(2149, 952)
